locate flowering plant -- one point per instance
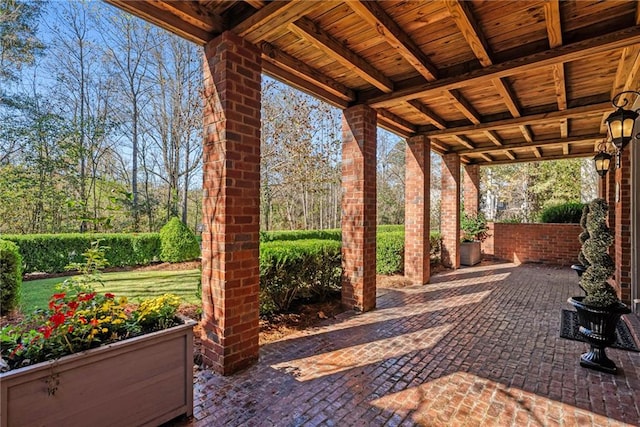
(79, 318)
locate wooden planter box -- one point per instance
(470, 253)
(145, 380)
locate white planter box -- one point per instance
(470, 253)
(146, 380)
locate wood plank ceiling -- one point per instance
(494, 81)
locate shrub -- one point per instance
(51, 253)
(390, 252)
(272, 236)
(474, 228)
(177, 242)
(566, 213)
(297, 269)
(10, 276)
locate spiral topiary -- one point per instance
(584, 236)
(600, 265)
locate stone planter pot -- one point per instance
(470, 253)
(146, 380)
(598, 326)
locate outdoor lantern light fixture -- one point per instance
(602, 159)
(621, 121)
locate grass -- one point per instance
(132, 284)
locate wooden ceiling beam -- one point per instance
(463, 17)
(533, 119)
(428, 114)
(494, 138)
(398, 122)
(310, 31)
(533, 159)
(272, 17)
(463, 105)
(373, 13)
(438, 147)
(565, 149)
(554, 34)
(535, 144)
(193, 13)
(295, 66)
(463, 140)
(302, 84)
(526, 133)
(151, 13)
(509, 154)
(565, 53)
(507, 96)
(486, 157)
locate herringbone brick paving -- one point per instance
(475, 347)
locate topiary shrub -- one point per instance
(565, 213)
(177, 242)
(10, 276)
(584, 236)
(594, 280)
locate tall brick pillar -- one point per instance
(609, 184)
(417, 198)
(450, 210)
(231, 203)
(471, 189)
(622, 220)
(359, 208)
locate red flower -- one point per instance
(109, 295)
(57, 319)
(70, 328)
(86, 297)
(73, 305)
(82, 320)
(94, 322)
(46, 331)
(58, 296)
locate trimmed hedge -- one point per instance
(297, 269)
(565, 213)
(390, 250)
(51, 253)
(177, 242)
(10, 276)
(287, 235)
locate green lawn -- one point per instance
(132, 284)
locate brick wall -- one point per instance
(545, 243)
(450, 210)
(622, 233)
(471, 189)
(359, 208)
(417, 201)
(231, 203)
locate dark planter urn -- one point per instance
(579, 269)
(598, 326)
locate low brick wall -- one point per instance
(539, 243)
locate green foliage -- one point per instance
(271, 236)
(565, 213)
(474, 228)
(297, 269)
(10, 276)
(177, 242)
(594, 280)
(390, 252)
(584, 236)
(51, 253)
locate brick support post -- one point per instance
(450, 210)
(231, 203)
(417, 204)
(471, 189)
(359, 208)
(609, 185)
(622, 220)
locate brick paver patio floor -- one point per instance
(476, 347)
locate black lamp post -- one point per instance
(621, 123)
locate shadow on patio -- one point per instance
(479, 346)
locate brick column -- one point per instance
(450, 210)
(622, 231)
(471, 189)
(609, 185)
(417, 204)
(231, 203)
(359, 208)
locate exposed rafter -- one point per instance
(397, 122)
(533, 159)
(373, 13)
(302, 70)
(463, 105)
(463, 17)
(428, 114)
(534, 144)
(311, 32)
(565, 53)
(533, 119)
